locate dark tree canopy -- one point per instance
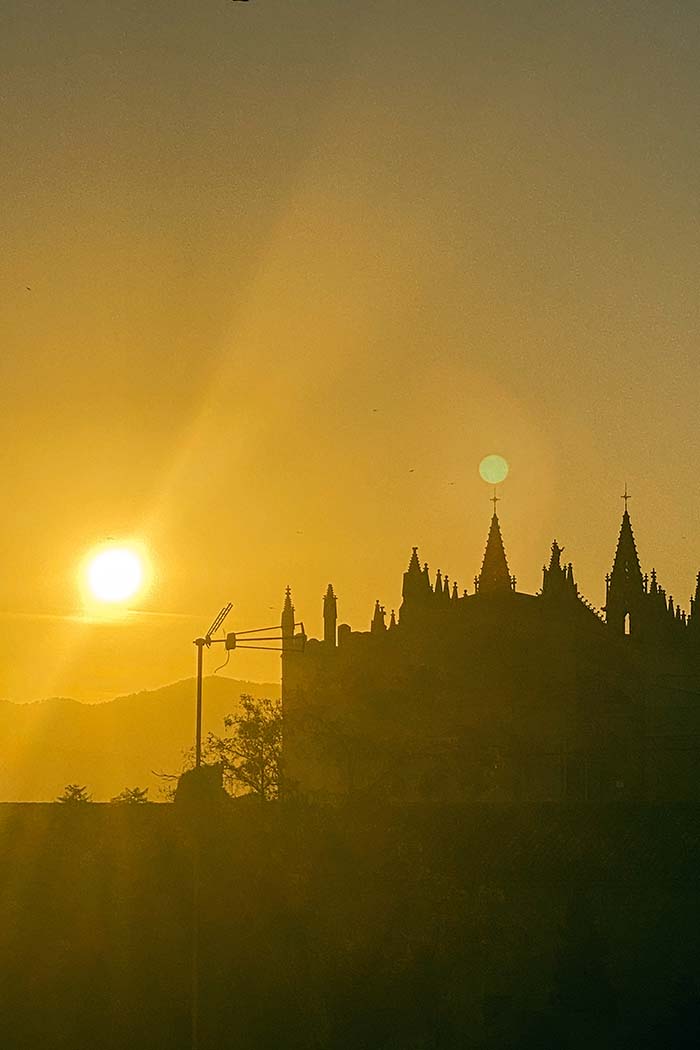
(250, 751)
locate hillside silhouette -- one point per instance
(110, 745)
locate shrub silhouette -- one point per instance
(130, 796)
(75, 793)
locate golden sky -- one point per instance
(276, 276)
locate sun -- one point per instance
(493, 469)
(113, 574)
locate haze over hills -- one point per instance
(111, 745)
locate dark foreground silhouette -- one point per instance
(403, 928)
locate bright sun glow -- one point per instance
(115, 574)
(493, 469)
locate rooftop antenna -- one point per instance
(200, 643)
(251, 639)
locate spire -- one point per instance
(626, 570)
(438, 584)
(455, 592)
(416, 585)
(287, 619)
(288, 608)
(392, 621)
(625, 592)
(378, 624)
(694, 618)
(495, 576)
(555, 559)
(330, 616)
(558, 579)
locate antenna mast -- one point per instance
(200, 643)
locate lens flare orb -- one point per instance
(493, 469)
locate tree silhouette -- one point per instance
(73, 793)
(129, 796)
(251, 753)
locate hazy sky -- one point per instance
(275, 276)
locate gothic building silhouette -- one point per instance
(497, 694)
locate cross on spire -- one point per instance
(626, 496)
(494, 499)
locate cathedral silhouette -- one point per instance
(498, 695)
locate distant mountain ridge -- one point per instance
(108, 746)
